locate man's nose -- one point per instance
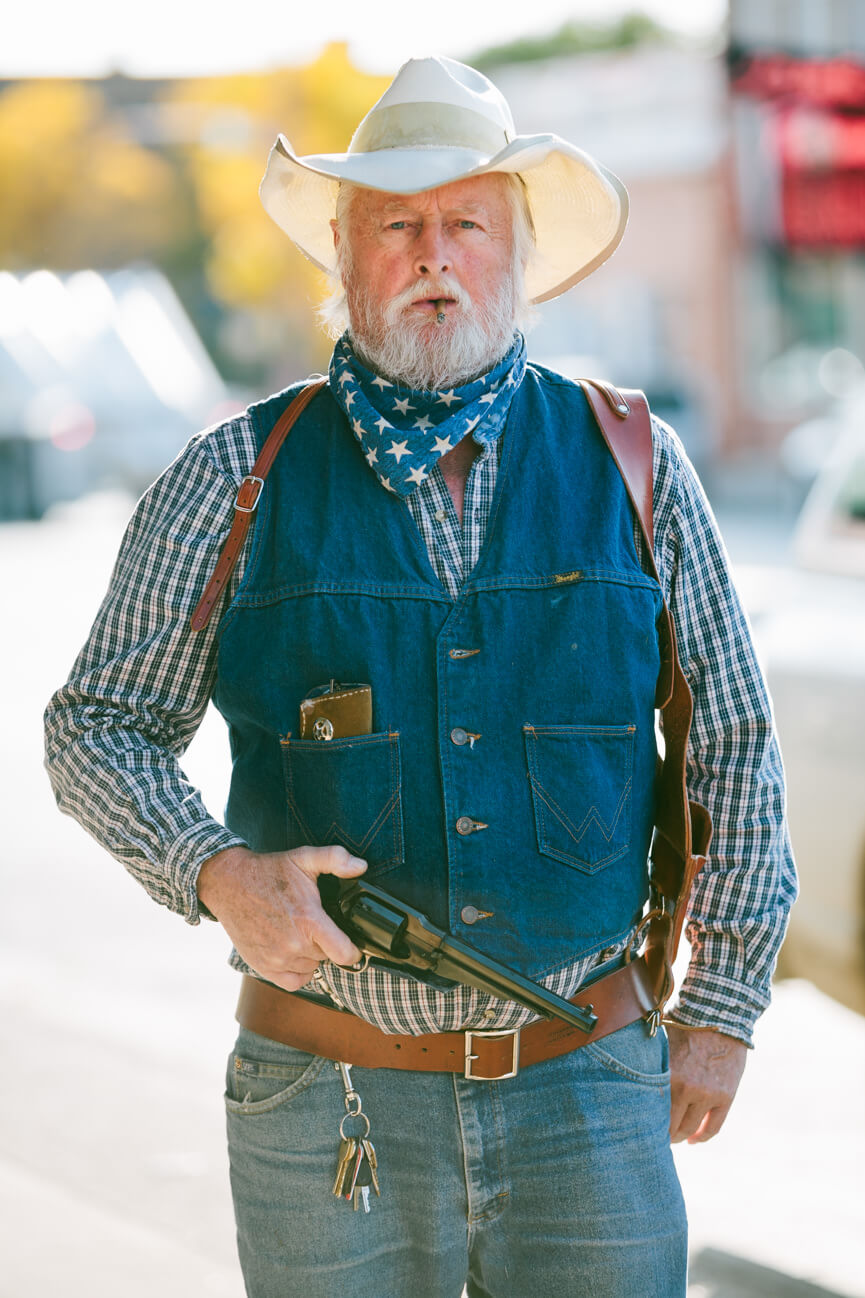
(430, 254)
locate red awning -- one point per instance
(838, 83)
(823, 210)
(810, 139)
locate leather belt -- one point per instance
(620, 998)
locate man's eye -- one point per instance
(397, 225)
(468, 225)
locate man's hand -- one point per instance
(270, 907)
(706, 1069)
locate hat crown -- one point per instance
(436, 103)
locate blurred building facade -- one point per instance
(737, 298)
(797, 91)
(658, 314)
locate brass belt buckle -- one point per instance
(514, 1033)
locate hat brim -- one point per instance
(579, 208)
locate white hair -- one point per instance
(333, 310)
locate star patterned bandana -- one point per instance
(403, 432)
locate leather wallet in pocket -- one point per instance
(335, 711)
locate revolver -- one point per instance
(387, 929)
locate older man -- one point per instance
(445, 530)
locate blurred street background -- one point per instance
(144, 294)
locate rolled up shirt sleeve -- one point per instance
(139, 687)
(741, 899)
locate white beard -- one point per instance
(413, 350)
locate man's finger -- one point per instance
(686, 1123)
(712, 1123)
(314, 861)
(333, 943)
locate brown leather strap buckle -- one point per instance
(246, 503)
(250, 487)
(513, 1033)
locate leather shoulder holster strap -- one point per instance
(682, 828)
(246, 503)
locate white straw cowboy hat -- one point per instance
(440, 121)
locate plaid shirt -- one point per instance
(139, 688)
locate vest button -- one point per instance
(470, 914)
(459, 736)
(465, 825)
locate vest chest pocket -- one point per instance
(346, 791)
(581, 779)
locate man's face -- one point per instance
(402, 254)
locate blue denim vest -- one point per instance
(550, 655)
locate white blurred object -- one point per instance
(810, 631)
(103, 379)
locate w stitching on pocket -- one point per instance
(334, 833)
(390, 847)
(593, 814)
(549, 811)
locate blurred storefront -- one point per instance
(658, 314)
(797, 82)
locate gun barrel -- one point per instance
(387, 927)
(466, 965)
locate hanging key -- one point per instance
(361, 1181)
(355, 1172)
(347, 1152)
(372, 1161)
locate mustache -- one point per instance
(429, 290)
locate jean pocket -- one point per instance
(346, 792)
(632, 1053)
(581, 779)
(255, 1085)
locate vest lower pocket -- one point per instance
(346, 791)
(581, 778)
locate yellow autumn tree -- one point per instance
(77, 190)
(251, 265)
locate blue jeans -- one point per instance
(559, 1181)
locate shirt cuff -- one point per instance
(712, 1001)
(197, 844)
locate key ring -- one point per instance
(358, 1114)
